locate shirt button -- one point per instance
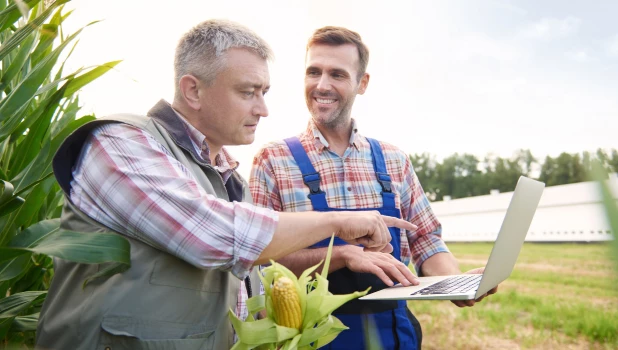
(349, 188)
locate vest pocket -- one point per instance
(172, 272)
(128, 333)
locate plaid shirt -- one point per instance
(127, 181)
(349, 182)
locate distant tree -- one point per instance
(425, 168)
(566, 169)
(463, 175)
(613, 161)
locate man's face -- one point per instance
(331, 83)
(232, 106)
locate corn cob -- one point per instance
(286, 303)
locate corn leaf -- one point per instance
(328, 255)
(337, 328)
(18, 62)
(46, 237)
(22, 33)
(27, 88)
(25, 323)
(11, 14)
(14, 267)
(12, 305)
(108, 271)
(82, 80)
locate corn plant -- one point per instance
(38, 109)
(298, 310)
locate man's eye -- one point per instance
(248, 93)
(312, 73)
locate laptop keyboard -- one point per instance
(452, 285)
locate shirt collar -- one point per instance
(224, 161)
(320, 141)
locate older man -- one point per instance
(166, 183)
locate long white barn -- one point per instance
(566, 213)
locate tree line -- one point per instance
(465, 175)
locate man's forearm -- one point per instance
(440, 264)
(296, 231)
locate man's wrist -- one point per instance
(346, 252)
(332, 223)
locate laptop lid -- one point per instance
(512, 234)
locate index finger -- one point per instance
(399, 223)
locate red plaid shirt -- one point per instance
(129, 182)
(349, 182)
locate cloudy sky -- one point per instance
(477, 76)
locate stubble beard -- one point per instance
(337, 119)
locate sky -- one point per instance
(478, 76)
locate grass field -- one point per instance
(560, 296)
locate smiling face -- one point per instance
(331, 83)
(229, 109)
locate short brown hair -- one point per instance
(336, 36)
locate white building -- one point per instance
(572, 212)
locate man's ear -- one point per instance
(363, 83)
(189, 90)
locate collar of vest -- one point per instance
(69, 151)
(165, 115)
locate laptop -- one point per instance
(508, 244)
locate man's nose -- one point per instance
(260, 109)
(324, 83)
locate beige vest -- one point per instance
(160, 302)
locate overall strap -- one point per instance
(311, 178)
(379, 166)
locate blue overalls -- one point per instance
(391, 318)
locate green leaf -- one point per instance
(107, 272)
(31, 144)
(11, 205)
(15, 267)
(26, 90)
(328, 255)
(292, 344)
(18, 62)
(5, 324)
(11, 14)
(6, 191)
(34, 234)
(13, 305)
(22, 33)
(256, 304)
(48, 32)
(87, 248)
(84, 79)
(26, 323)
(329, 326)
(33, 172)
(338, 327)
(26, 214)
(260, 331)
(9, 253)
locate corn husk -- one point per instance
(319, 327)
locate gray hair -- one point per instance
(200, 52)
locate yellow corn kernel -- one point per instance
(286, 303)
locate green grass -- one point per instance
(559, 295)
